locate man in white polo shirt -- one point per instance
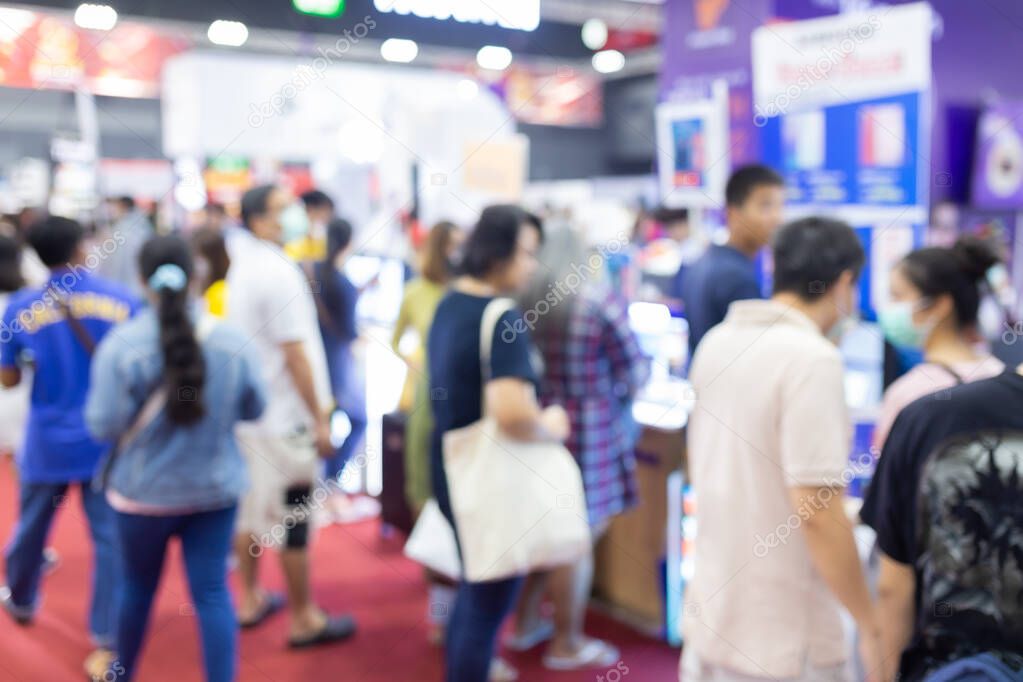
(271, 301)
(769, 443)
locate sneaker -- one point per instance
(51, 560)
(22, 615)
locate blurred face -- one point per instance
(319, 216)
(845, 300)
(518, 271)
(268, 224)
(455, 241)
(757, 219)
(927, 313)
(678, 230)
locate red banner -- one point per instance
(43, 51)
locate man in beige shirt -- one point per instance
(768, 454)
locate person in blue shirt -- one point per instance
(336, 302)
(178, 470)
(54, 330)
(727, 272)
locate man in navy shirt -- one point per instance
(54, 329)
(725, 273)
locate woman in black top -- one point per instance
(499, 259)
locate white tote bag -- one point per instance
(518, 506)
(432, 542)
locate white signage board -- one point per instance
(845, 58)
(522, 15)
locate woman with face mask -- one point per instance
(935, 299)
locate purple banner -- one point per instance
(998, 164)
(709, 40)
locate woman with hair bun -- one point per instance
(935, 300)
(168, 387)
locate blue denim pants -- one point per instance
(38, 503)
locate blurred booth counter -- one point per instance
(632, 557)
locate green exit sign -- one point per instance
(320, 8)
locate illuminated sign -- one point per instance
(320, 8)
(522, 15)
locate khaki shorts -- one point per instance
(276, 463)
(692, 669)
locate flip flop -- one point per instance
(338, 628)
(99, 665)
(272, 603)
(501, 671)
(593, 654)
(543, 632)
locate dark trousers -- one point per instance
(38, 502)
(205, 543)
(480, 608)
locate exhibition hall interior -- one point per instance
(494, 340)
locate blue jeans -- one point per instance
(336, 464)
(350, 397)
(480, 608)
(472, 631)
(205, 543)
(38, 502)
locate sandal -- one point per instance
(337, 628)
(543, 632)
(594, 654)
(100, 664)
(272, 603)
(501, 671)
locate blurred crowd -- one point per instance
(190, 385)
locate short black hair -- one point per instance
(666, 215)
(126, 202)
(810, 255)
(10, 264)
(494, 238)
(315, 198)
(55, 239)
(254, 203)
(959, 271)
(746, 179)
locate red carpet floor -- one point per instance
(354, 569)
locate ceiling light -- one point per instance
(608, 61)
(97, 17)
(229, 33)
(595, 34)
(399, 50)
(494, 58)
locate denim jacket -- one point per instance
(198, 466)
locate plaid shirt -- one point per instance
(594, 370)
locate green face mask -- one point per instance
(294, 222)
(896, 320)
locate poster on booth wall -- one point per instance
(692, 152)
(998, 163)
(841, 101)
